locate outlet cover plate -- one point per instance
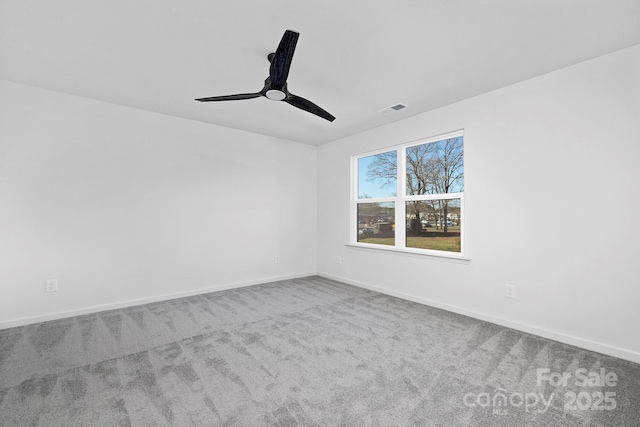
(510, 291)
(51, 285)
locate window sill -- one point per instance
(421, 253)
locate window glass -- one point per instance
(378, 175)
(376, 223)
(435, 167)
(434, 224)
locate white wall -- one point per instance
(123, 206)
(552, 200)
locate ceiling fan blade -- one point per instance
(230, 97)
(281, 60)
(275, 86)
(309, 106)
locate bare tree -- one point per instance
(417, 179)
(432, 168)
(384, 168)
(445, 172)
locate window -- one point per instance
(411, 197)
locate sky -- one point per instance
(372, 188)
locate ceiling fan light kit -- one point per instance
(275, 86)
(275, 95)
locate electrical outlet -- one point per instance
(277, 259)
(339, 260)
(510, 291)
(51, 285)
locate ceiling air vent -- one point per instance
(392, 109)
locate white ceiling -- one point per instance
(353, 57)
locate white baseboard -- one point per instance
(11, 323)
(546, 333)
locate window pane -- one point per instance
(376, 223)
(436, 167)
(377, 175)
(434, 224)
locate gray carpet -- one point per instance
(304, 352)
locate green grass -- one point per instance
(438, 243)
(434, 239)
(437, 240)
(379, 240)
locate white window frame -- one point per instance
(400, 202)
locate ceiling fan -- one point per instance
(275, 86)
